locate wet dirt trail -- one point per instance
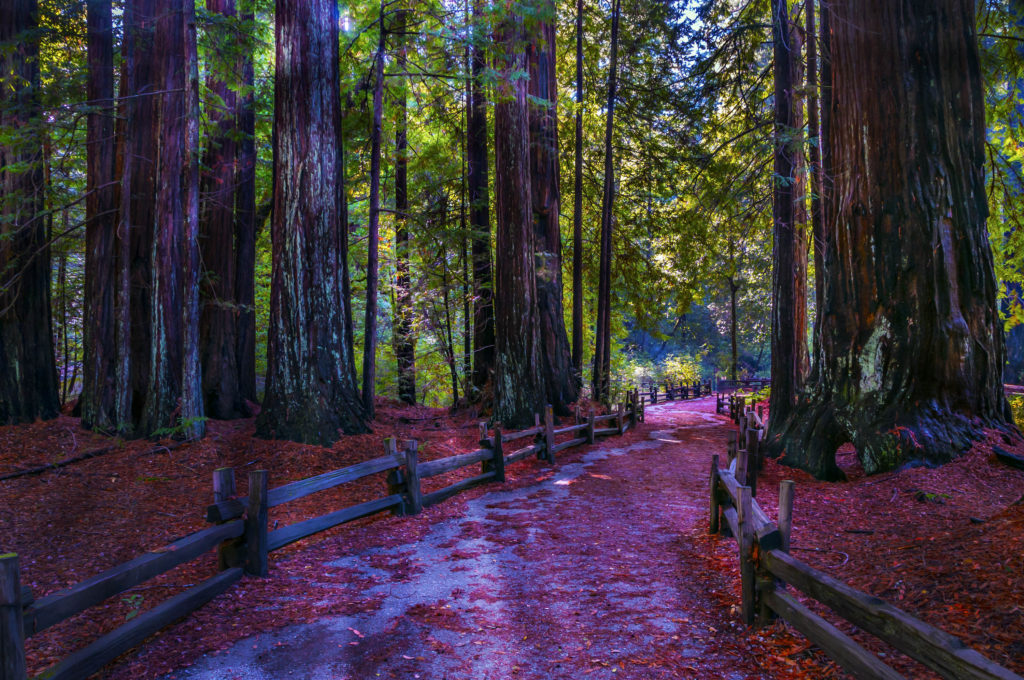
(595, 568)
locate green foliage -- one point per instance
(1017, 405)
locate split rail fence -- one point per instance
(651, 395)
(766, 568)
(240, 535)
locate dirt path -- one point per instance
(594, 569)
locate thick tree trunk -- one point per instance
(479, 216)
(405, 339)
(141, 83)
(800, 217)
(788, 305)
(373, 233)
(815, 177)
(171, 285)
(556, 357)
(912, 353)
(309, 395)
(28, 374)
(246, 224)
(99, 322)
(602, 343)
(518, 389)
(577, 212)
(217, 324)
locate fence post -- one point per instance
(590, 428)
(642, 407)
(395, 479)
(746, 541)
(412, 477)
(785, 512)
(634, 414)
(577, 414)
(753, 459)
(620, 413)
(484, 441)
(12, 640)
(496, 463)
(654, 394)
(714, 515)
(742, 466)
(256, 525)
(549, 433)
(228, 552)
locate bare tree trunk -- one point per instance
(246, 223)
(912, 353)
(602, 344)
(734, 365)
(310, 395)
(99, 324)
(556, 357)
(786, 299)
(518, 390)
(372, 257)
(815, 178)
(479, 216)
(577, 213)
(28, 374)
(217, 325)
(346, 279)
(405, 339)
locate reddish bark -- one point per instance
(577, 213)
(310, 395)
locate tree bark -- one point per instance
(602, 342)
(246, 223)
(171, 285)
(815, 178)
(788, 305)
(479, 217)
(373, 232)
(912, 353)
(556, 357)
(405, 339)
(577, 213)
(140, 80)
(220, 306)
(28, 373)
(99, 322)
(310, 395)
(518, 389)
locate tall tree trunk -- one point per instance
(602, 342)
(141, 84)
(479, 215)
(171, 288)
(217, 324)
(577, 212)
(346, 280)
(99, 323)
(786, 341)
(814, 177)
(800, 221)
(912, 353)
(518, 388)
(310, 395)
(734, 364)
(405, 339)
(245, 221)
(556, 356)
(28, 373)
(372, 259)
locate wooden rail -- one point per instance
(675, 392)
(765, 566)
(241, 536)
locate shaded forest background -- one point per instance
(692, 153)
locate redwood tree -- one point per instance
(99, 324)
(577, 212)
(28, 375)
(518, 389)
(404, 336)
(911, 344)
(220, 304)
(245, 220)
(556, 357)
(479, 212)
(310, 394)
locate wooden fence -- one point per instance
(766, 568)
(241, 538)
(725, 386)
(651, 395)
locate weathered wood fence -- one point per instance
(725, 386)
(652, 395)
(243, 542)
(766, 568)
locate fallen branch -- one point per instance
(38, 470)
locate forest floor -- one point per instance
(600, 566)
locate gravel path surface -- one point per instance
(595, 569)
